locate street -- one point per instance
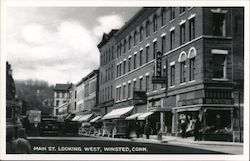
(90, 145)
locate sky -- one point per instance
(59, 44)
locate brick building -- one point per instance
(201, 56)
(61, 98)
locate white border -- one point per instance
(72, 3)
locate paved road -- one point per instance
(88, 145)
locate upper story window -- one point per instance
(125, 46)
(191, 28)
(147, 29)
(141, 57)
(129, 64)
(147, 54)
(140, 83)
(135, 38)
(182, 60)
(219, 59)
(135, 55)
(154, 49)
(155, 23)
(172, 39)
(172, 13)
(182, 34)
(172, 74)
(129, 90)
(147, 83)
(191, 57)
(163, 44)
(124, 67)
(182, 10)
(129, 42)
(141, 34)
(219, 22)
(163, 17)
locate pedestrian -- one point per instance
(183, 128)
(197, 127)
(21, 145)
(137, 129)
(147, 129)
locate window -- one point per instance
(117, 70)
(112, 51)
(140, 83)
(141, 57)
(219, 66)
(163, 85)
(172, 39)
(147, 29)
(124, 67)
(163, 17)
(125, 46)
(129, 88)
(129, 64)
(182, 34)
(155, 23)
(135, 61)
(117, 50)
(57, 94)
(57, 103)
(111, 91)
(112, 76)
(147, 83)
(191, 29)
(141, 34)
(182, 72)
(124, 92)
(119, 93)
(147, 54)
(163, 44)
(134, 85)
(182, 10)
(129, 42)
(172, 13)
(172, 75)
(219, 24)
(154, 49)
(135, 38)
(191, 68)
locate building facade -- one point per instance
(197, 53)
(107, 72)
(61, 98)
(91, 92)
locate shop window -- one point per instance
(219, 24)
(163, 17)
(219, 66)
(172, 75)
(163, 44)
(147, 54)
(147, 29)
(172, 13)
(182, 34)
(172, 39)
(191, 29)
(155, 23)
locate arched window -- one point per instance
(182, 60)
(155, 23)
(125, 45)
(147, 29)
(191, 57)
(141, 34)
(129, 42)
(135, 38)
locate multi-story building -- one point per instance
(72, 99)
(199, 53)
(91, 92)
(61, 97)
(107, 72)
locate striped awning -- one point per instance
(118, 113)
(85, 117)
(132, 117)
(145, 115)
(95, 119)
(76, 118)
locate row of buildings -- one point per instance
(167, 65)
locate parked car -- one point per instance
(49, 126)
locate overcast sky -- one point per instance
(59, 44)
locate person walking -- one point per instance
(137, 129)
(183, 128)
(147, 129)
(197, 127)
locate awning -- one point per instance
(76, 118)
(188, 109)
(85, 117)
(117, 113)
(144, 115)
(134, 116)
(95, 119)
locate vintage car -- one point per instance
(49, 126)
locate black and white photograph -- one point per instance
(139, 81)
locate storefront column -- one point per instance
(175, 123)
(162, 120)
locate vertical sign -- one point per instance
(158, 64)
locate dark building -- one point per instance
(179, 65)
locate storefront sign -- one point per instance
(218, 101)
(158, 80)
(158, 64)
(190, 102)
